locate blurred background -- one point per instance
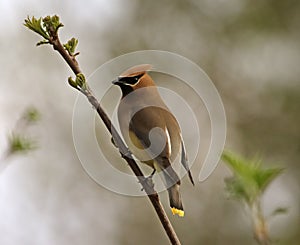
(250, 50)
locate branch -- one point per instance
(248, 184)
(260, 229)
(49, 31)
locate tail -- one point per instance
(175, 200)
(172, 182)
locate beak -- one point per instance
(116, 81)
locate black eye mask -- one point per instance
(130, 80)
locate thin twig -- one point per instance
(147, 186)
(260, 229)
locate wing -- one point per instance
(184, 161)
(149, 127)
(177, 143)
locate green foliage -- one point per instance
(279, 211)
(19, 143)
(36, 26)
(52, 24)
(71, 45)
(249, 178)
(248, 183)
(48, 28)
(80, 79)
(31, 115)
(72, 82)
(79, 83)
(42, 42)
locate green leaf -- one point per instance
(263, 177)
(239, 166)
(52, 24)
(236, 189)
(79, 83)
(71, 45)
(72, 83)
(36, 26)
(80, 80)
(42, 42)
(20, 143)
(279, 211)
(32, 115)
(249, 179)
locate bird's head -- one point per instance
(134, 78)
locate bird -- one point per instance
(150, 130)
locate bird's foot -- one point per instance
(113, 142)
(127, 153)
(148, 180)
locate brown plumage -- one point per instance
(150, 130)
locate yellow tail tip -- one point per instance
(179, 212)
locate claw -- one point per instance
(113, 142)
(127, 153)
(149, 180)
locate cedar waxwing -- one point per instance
(150, 130)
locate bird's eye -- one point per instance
(130, 80)
(136, 78)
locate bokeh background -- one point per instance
(250, 50)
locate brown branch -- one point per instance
(147, 185)
(72, 62)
